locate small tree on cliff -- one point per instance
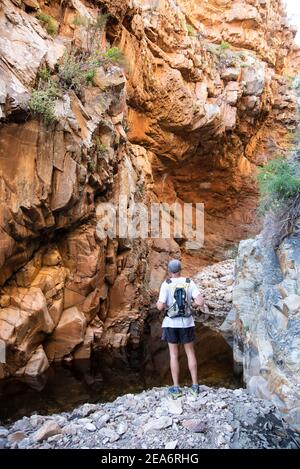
(279, 184)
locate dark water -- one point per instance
(109, 375)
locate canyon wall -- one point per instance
(266, 304)
(198, 99)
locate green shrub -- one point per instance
(42, 103)
(70, 72)
(113, 54)
(44, 74)
(191, 30)
(77, 70)
(278, 181)
(224, 45)
(89, 76)
(91, 166)
(80, 20)
(101, 148)
(48, 23)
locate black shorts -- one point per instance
(178, 335)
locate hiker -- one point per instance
(175, 298)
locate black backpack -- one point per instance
(180, 307)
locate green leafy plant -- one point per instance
(113, 54)
(278, 181)
(224, 45)
(44, 74)
(48, 23)
(91, 166)
(89, 76)
(76, 70)
(42, 102)
(191, 30)
(80, 20)
(70, 71)
(101, 148)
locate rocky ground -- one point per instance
(217, 418)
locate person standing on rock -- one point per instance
(175, 298)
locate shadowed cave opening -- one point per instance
(110, 374)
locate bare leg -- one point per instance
(192, 361)
(174, 363)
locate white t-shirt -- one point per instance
(166, 296)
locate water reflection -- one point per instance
(108, 375)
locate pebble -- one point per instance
(171, 444)
(2, 443)
(36, 420)
(3, 432)
(195, 425)
(16, 437)
(122, 428)
(90, 427)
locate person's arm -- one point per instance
(196, 295)
(199, 300)
(162, 300)
(161, 306)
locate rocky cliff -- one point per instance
(266, 330)
(187, 99)
(265, 317)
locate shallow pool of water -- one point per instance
(111, 374)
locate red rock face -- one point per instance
(199, 101)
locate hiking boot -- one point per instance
(175, 392)
(195, 389)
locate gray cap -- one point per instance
(174, 266)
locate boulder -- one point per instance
(36, 365)
(49, 428)
(16, 437)
(24, 325)
(83, 351)
(157, 424)
(67, 335)
(195, 425)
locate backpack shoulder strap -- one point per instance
(168, 280)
